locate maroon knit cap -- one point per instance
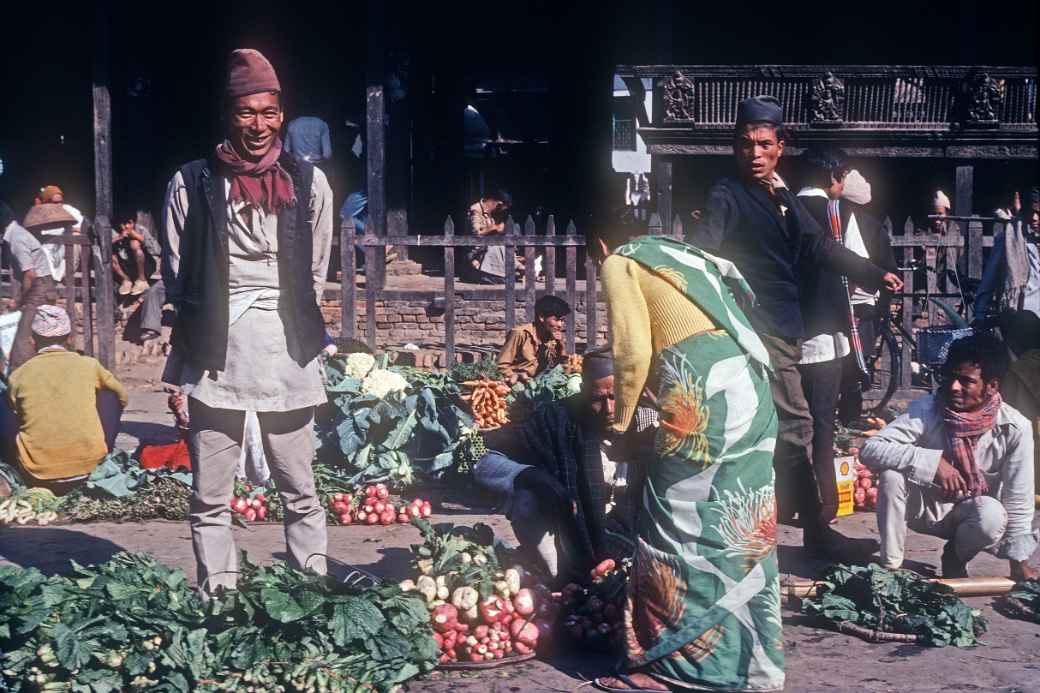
(249, 72)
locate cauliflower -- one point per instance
(359, 365)
(380, 383)
(574, 383)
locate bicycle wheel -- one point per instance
(884, 368)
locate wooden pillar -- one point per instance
(375, 128)
(103, 188)
(661, 167)
(962, 200)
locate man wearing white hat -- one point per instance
(67, 407)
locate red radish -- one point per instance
(452, 657)
(386, 518)
(250, 514)
(370, 492)
(603, 568)
(524, 602)
(415, 511)
(427, 510)
(361, 516)
(872, 493)
(379, 507)
(340, 508)
(371, 519)
(444, 617)
(337, 497)
(382, 493)
(492, 609)
(255, 503)
(865, 482)
(524, 633)
(241, 505)
(461, 627)
(480, 631)
(345, 519)
(403, 518)
(369, 507)
(523, 649)
(261, 513)
(859, 495)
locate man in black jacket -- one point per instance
(756, 222)
(248, 233)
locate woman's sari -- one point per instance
(703, 607)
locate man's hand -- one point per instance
(949, 480)
(892, 282)
(1022, 571)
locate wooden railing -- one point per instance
(528, 242)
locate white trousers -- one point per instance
(973, 524)
(215, 443)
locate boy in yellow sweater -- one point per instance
(67, 407)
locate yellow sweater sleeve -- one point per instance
(107, 381)
(630, 334)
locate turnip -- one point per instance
(337, 497)
(370, 491)
(428, 588)
(240, 505)
(255, 504)
(481, 631)
(523, 602)
(442, 592)
(362, 515)
(387, 518)
(865, 483)
(382, 493)
(859, 495)
(379, 507)
(465, 598)
(502, 589)
(512, 577)
(414, 511)
(427, 510)
(261, 513)
(403, 518)
(492, 609)
(346, 519)
(406, 585)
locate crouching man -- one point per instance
(550, 468)
(959, 465)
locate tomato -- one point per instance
(371, 519)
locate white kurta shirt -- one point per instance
(259, 374)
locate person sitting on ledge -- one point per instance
(63, 409)
(959, 465)
(536, 346)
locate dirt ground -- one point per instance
(817, 659)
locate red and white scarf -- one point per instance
(963, 430)
(263, 183)
(834, 217)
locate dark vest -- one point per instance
(201, 328)
(765, 246)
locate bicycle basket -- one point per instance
(933, 343)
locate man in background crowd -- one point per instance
(487, 217)
(308, 138)
(754, 221)
(959, 465)
(134, 254)
(1011, 278)
(52, 194)
(536, 346)
(67, 407)
(32, 272)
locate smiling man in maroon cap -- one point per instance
(248, 232)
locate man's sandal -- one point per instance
(632, 687)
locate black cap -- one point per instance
(760, 109)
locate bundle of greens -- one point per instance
(157, 498)
(385, 429)
(1023, 602)
(135, 624)
(486, 367)
(895, 601)
(548, 386)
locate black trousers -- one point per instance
(821, 383)
(850, 405)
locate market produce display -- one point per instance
(29, 506)
(160, 498)
(877, 600)
(1023, 602)
(480, 611)
(865, 495)
(385, 428)
(548, 386)
(374, 506)
(133, 623)
(592, 613)
(487, 401)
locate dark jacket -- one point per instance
(201, 327)
(825, 302)
(772, 251)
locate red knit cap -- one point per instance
(249, 72)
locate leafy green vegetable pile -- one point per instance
(1023, 602)
(133, 623)
(546, 387)
(895, 601)
(388, 439)
(158, 498)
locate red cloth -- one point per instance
(963, 430)
(261, 183)
(172, 457)
(249, 72)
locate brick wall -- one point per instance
(477, 323)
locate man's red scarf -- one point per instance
(963, 430)
(263, 183)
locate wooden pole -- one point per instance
(375, 118)
(348, 279)
(662, 170)
(962, 587)
(449, 295)
(103, 187)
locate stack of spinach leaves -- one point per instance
(1023, 602)
(895, 601)
(133, 623)
(392, 438)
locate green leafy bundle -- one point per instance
(1023, 602)
(389, 439)
(135, 624)
(466, 553)
(486, 367)
(547, 386)
(895, 601)
(157, 498)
